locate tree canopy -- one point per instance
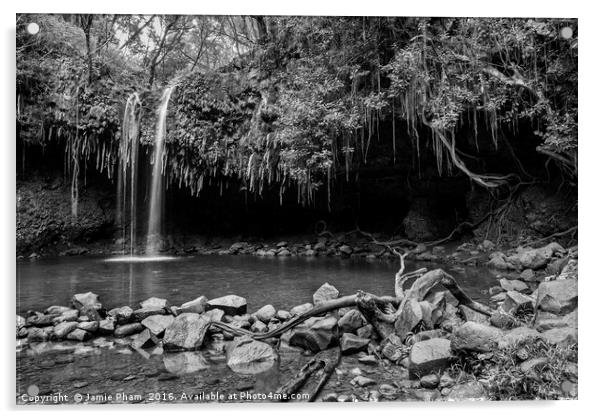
(299, 102)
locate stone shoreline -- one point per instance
(441, 334)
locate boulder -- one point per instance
(91, 326)
(259, 327)
(144, 339)
(517, 302)
(87, 299)
(365, 332)
(351, 321)
(301, 309)
(564, 336)
(157, 323)
(557, 297)
(429, 381)
(283, 315)
(324, 293)
(351, 344)
(91, 313)
(411, 316)
(429, 356)
(546, 321)
(248, 356)
(539, 258)
(41, 320)
(128, 329)
(154, 302)
(517, 336)
(122, 315)
(503, 320)
(197, 305)
(475, 337)
(185, 333)
(345, 250)
(70, 315)
(61, 330)
(473, 316)
(471, 391)
(106, 326)
(79, 335)
(214, 315)
(361, 381)
(39, 334)
(143, 313)
(315, 334)
(57, 310)
(230, 304)
(513, 285)
(265, 313)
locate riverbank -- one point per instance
(525, 349)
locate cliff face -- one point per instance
(44, 220)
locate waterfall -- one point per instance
(128, 162)
(155, 217)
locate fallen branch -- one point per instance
(295, 383)
(326, 374)
(551, 236)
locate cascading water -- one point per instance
(128, 165)
(155, 218)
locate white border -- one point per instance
(590, 152)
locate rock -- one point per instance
(557, 297)
(361, 381)
(531, 364)
(214, 315)
(106, 326)
(411, 316)
(429, 356)
(330, 397)
(128, 329)
(513, 285)
(301, 309)
(259, 327)
(248, 356)
(91, 313)
(38, 334)
(446, 381)
(122, 315)
(315, 334)
(487, 245)
(564, 336)
(41, 320)
(471, 391)
(345, 250)
(473, 316)
(351, 321)
(283, 315)
(79, 335)
(392, 348)
(185, 333)
(324, 293)
(527, 275)
(368, 360)
(517, 336)
(66, 316)
(143, 313)
(91, 327)
(157, 323)
(498, 262)
(231, 305)
(61, 330)
(499, 298)
(57, 310)
(284, 252)
(475, 337)
(365, 332)
(154, 302)
(426, 395)
(546, 321)
(429, 381)
(517, 302)
(351, 344)
(569, 389)
(87, 299)
(281, 244)
(181, 363)
(144, 339)
(496, 289)
(503, 320)
(198, 305)
(265, 313)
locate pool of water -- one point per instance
(283, 282)
(109, 371)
